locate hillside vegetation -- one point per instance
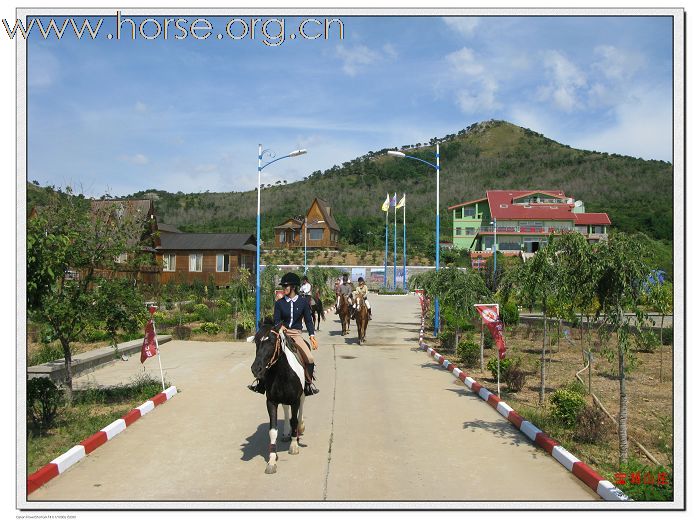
(637, 194)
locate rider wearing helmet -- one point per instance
(344, 289)
(289, 312)
(361, 291)
(305, 291)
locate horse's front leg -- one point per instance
(287, 428)
(294, 447)
(272, 461)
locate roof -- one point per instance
(285, 224)
(325, 210)
(592, 218)
(169, 228)
(207, 241)
(502, 208)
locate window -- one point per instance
(222, 262)
(169, 262)
(315, 234)
(458, 213)
(597, 229)
(469, 211)
(282, 236)
(196, 262)
(458, 231)
(510, 245)
(469, 231)
(121, 258)
(243, 261)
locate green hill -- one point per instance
(637, 194)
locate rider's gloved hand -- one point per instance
(314, 343)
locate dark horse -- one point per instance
(317, 311)
(362, 319)
(344, 313)
(282, 386)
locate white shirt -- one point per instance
(291, 307)
(305, 288)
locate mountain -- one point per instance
(637, 194)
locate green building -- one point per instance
(520, 221)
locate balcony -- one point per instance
(518, 230)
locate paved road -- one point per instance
(388, 425)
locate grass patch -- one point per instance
(91, 410)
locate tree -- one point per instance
(622, 273)
(71, 250)
(661, 300)
(539, 278)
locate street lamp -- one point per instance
(435, 166)
(493, 250)
(261, 167)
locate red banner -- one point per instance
(491, 318)
(149, 348)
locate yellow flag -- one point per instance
(402, 202)
(385, 206)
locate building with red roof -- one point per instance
(520, 221)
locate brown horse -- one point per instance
(362, 319)
(344, 314)
(317, 311)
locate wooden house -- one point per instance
(318, 224)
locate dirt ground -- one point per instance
(650, 402)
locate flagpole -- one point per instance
(404, 243)
(386, 245)
(394, 241)
(160, 364)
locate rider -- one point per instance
(305, 290)
(361, 291)
(344, 289)
(289, 311)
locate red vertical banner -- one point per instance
(149, 348)
(490, 315)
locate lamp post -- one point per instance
(261, 167)
(493, 249)
(436, 167)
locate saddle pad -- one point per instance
(293, 362)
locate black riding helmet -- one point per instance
(360, 279)
(290, 278)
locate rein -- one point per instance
(278, 350)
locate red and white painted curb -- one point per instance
(78, 452)
(604, 488)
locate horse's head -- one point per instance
(266, 341)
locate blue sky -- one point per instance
(187, 115)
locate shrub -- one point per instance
(201, 310)
(182, 332)
(515, 378)
(510, 314)
(647, 341)
(591, 425)
(468, 352)
(187, 307)
(577, 387)
(492, 366)
(46, 354)
(668, 335)
(447, 339)
(654, 491)
(566, 406)
(93, 335)
(43, 402)
(488, 339)
(209, 328)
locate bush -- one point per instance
(492, 366)
(187, 307)
(647, 341)
(182, 332)
(566, 406)
(647, 491)
(591, 425)
(93, 335)
(510, 314)
(46, 354)
(209, 328)
(515, 378)
(447, 339)
(468, 352)
(201, 310)
(577, 387)
(43, 402)
(488, 339)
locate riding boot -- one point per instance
(369, 311)
(352, 312)
(258, 387)
(309, 388)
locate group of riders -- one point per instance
(296, 305)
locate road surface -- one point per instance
(389, 424)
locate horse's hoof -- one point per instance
(271, 469)
(294, 448)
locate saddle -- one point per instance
(297, 352)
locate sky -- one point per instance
(119, 116)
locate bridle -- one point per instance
(277, 352)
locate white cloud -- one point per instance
(617, 64)
(475, 87)
(566, 82)
(355, 58)
(138, 159)
(463, 25)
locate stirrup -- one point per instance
(310, 389)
